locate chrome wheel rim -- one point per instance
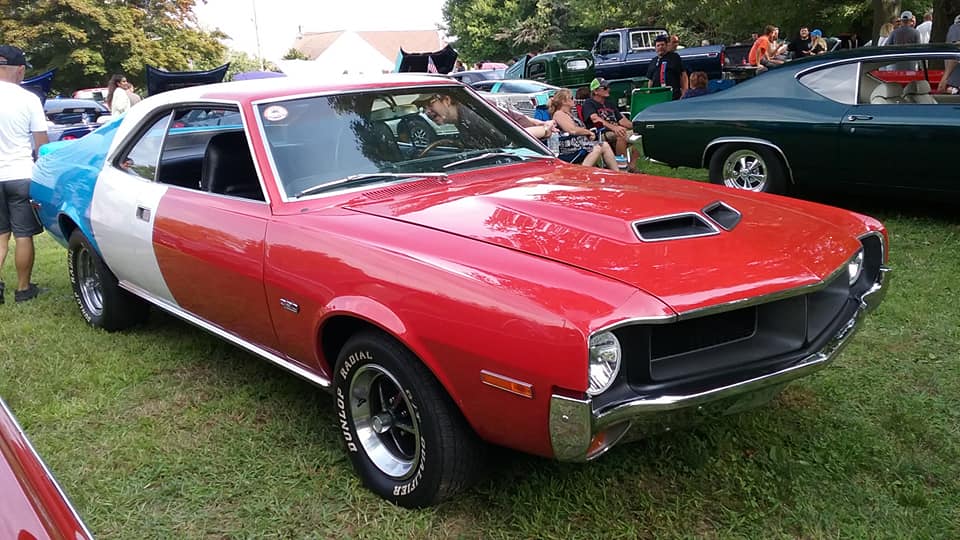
(88, 281)
(745, 169)
(385, 421)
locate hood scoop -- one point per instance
(674, 227)
(723, 215)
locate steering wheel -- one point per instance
(430, 147)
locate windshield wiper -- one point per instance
(363, 179)
(488, 155)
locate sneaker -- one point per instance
(29, 294)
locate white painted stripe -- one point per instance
(125, 241)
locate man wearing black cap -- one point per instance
(667, 68)
(23, 128)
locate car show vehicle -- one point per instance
(72, 118)
(834, 121)
(474, 291)
(626, 52)
(471, 76)
(524, 96)
(96, 94)
(32, 504)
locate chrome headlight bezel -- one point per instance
(855, 267)
(605, 356)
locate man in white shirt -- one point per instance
(23, 128)
(925, 27)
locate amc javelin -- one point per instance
(471, 291)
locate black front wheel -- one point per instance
(748, 167)
(406, 439)
(103, 304)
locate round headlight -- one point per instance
(604, 361)
(855, 267)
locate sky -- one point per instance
(278, 21)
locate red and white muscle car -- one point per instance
(474, 290)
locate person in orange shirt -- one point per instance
(761, 54)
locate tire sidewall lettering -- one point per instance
(344, 374)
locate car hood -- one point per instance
(587, 219)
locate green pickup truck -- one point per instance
(575, 69)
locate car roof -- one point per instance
(280, 87)
(57, 104)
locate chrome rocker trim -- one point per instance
(265, 354)
(574, 423)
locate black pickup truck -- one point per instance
(626, 52)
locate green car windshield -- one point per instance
(324, 143)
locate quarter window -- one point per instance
(838, 83)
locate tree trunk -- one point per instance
(883, 11)
(943, 13)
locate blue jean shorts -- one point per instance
(16, 211)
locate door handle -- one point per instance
(855, 117)
(143, 213)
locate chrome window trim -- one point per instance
(292, 367)
(717, 204)
(125, 146)
(882, 56)
(327, 93)
(749, 140)
(713, 228)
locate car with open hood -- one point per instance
(473, 291)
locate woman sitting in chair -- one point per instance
(579, 145)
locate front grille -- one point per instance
(734, 339)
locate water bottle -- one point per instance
(553, 143)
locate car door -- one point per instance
(206, 241)
(903, 144)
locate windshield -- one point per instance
(323, 140)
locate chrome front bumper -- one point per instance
(580, 433)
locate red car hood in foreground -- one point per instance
(585, 219)
(32, 506)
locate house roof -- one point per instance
(387, 42)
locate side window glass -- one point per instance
(537, 70)
(143, 158)
(609, 44)
(838, 83)
(206, 149)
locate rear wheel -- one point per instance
(406, 439)
(750, 168)
(102, 302)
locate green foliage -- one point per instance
(500, 29)
(241, 62)
(295, 54)
(88, 40)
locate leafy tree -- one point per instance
(87, 40)
(241, 62)
(499, 29)
(295, 54)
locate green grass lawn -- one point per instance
(166, 432)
